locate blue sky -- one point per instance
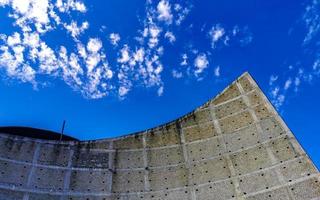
(115, 67)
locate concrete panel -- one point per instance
(209, 171)
(47, 179)
(10, 195)
(241, 139)
(89, 181)
(33, 196)
(189, 120)
(282, 149)
(197, 117)
(16, 149)
(255, 98)
(134, 196)
(100, 144)
(14, 174)
(166, 136)
(169, 195)
(229, 93)
(230, 108)
(235, 122)
(57, 155)
(217, 191)
(164, 157)
(277, 194)
(205, 149)
(297, 169)
(128, 181)
(258, 181)
(88, 197)
(305, 190)
(128, 159)
(203, 116)
(271, 128)
(250, 160)
(90, 159)
(199, 132)
(165, 178)
(246, 84)
(262, 112)
(130, 142)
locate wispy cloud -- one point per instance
(84, 62)
(201, 63)
(114, 38)
(216, 33)
(164, 11)
(222, 36)
(217, 71)
(302, 73)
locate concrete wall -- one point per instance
(233, 147)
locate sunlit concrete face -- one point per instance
(233, 147)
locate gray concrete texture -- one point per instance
(233, 147)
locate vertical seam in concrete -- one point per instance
(66, 180)
(238, 193)
(34, 162)
(186, 160)
(111, 167)
(271, 156)
(145, 164)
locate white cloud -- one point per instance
(14, 64)
(182, 13)
(216, 33)
(14, 39)
(160, 91)
(316, 66)
(125, 57)
(272, 79)
(164, 11)
(31, 40)
(287, 84)
(176, 74)
(123, 91)
(47, 59)
(76, 30)
(170, 36)
(114, 38)
(201, 62)
(85, 68)
(138, 56)
(275, 92)
(94, 45)
(311, 19)
(92, 61)
(154, 32)
(184, 61)
(217, 71)
(66, 6)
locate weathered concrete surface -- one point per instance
(233, 147)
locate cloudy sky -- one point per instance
(115, 67)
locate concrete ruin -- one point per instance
(234, 147)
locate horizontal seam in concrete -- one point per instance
(138, 169)
(12, 187)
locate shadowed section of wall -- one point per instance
(234, 147)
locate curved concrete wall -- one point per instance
(233, 147)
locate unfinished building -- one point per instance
(234, 147)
